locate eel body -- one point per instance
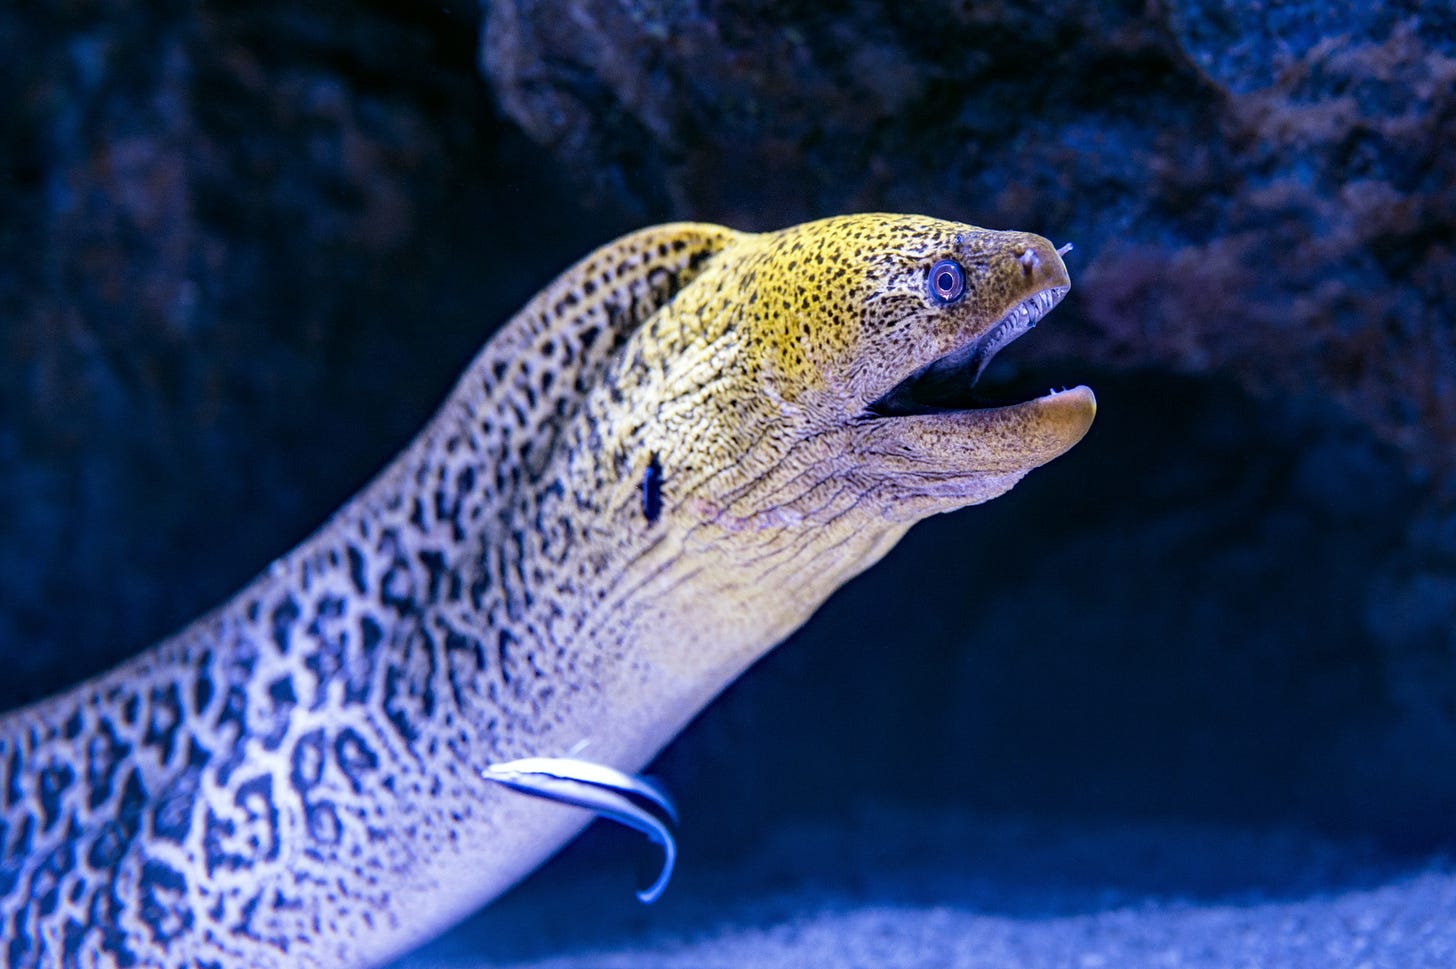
(651, 475)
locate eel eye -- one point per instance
(947, 281)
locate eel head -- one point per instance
(881, 326)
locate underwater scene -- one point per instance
(733, 512)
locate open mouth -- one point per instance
(947, 383)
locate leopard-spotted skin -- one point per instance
(293, 780)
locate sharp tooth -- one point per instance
(943, 383)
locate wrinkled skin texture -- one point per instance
(293, 779)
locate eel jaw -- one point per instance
(939, 448)
(945, 384)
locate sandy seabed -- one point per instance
(897, 889)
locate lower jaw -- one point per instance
(988, 442)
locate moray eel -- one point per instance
(649, 477)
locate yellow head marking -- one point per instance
(845, 304)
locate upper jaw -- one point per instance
(945, 383)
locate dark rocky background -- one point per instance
(246, 248)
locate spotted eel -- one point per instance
(658, 469)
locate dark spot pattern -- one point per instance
(282, 619)
(652, 490)
(308, 762)
(164, 906)
(173, 812)
(360, 683)
(358, 575)
(105, 753)
(13, 766)
(277, 714)
(323, 822)
(202, 687)
(55, 779)
(355, 757)
(165, 720)
(328, 637)
(445, 617)
(245, 834)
